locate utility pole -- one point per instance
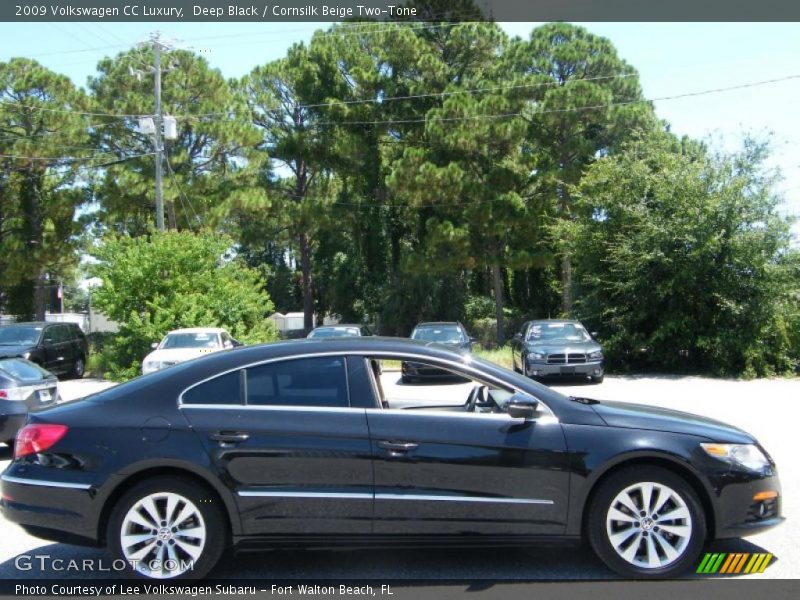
(159, 142)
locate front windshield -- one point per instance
(191, 340)
(558, 332)
(443, 335)
(19, 335)
(332, 332)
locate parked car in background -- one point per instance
(451, 334)
(296, 444)
(340, 330)
(23, 386)
(557, 348)
(61, 348)
(185, 344)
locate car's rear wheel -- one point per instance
(79, 368)
(167, 528)
(597, 378)
(646, 522)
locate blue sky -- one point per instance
(672, 58)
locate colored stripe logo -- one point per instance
(730, 563)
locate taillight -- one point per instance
(36, 438)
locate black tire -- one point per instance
(601, 503)
(406, 380)
(597, 378)
(213, 517)
(78, 368)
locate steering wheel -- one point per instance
(478, 393)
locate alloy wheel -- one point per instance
(649, 525)
(163, 535)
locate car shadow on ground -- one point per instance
(490, 564)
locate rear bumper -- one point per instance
(53, 508)
(12, 418)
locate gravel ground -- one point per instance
(769, 409)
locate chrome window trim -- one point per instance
(386, 496)
(46, 483)
(458, 366)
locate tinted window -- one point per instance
(60, 333)
(302, 382)
(191, 340)
(442, 333)
(220, 390)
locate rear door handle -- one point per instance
(230, 437)
(396, 448)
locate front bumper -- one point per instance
(587, 369)
(738, 514)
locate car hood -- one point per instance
(178, 354)
(11, 351)
(637, 416)
(563, 347)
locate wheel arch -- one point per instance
(174, 469)
(667, 462)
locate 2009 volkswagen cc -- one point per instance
(298, 442)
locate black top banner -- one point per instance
(386, 10)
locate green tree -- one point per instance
(210, 162)
(44, 144)
(172, 280)
(587, 101)
(683, 254)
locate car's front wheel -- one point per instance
(646, 522)
(167, 528)
(79, 368)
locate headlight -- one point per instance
(536, 355)
(745, 455)
(150, 366)
(596, 354)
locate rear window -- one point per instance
(220, 390)
(22, 370)
(300, 382)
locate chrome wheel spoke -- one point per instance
(144, 539)
(617, 515)
(191, 550)
(640, 533)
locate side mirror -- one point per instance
(236, 343)
(154, 345)
(594, 334)
(47, 341)
(518, 335)
(522, 406)
(473, 340)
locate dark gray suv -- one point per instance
(557, 348)
(61, 348)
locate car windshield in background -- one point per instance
(446, 335)
(19, 336)
(558, 332)
(334, 332)
(22, 370)
(191, 340)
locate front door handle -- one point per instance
(397, 448)
(230, 437)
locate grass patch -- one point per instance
(500, 356)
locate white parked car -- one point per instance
(185, 344)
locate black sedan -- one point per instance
(296, 443)
(24, 386)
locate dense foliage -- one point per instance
(393, 173)
(164, 281)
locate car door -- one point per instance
(452, 472)
(287, 442)
(53, 349)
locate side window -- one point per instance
(224, 389)
(60, 334)
(300, 382)
(227, 342)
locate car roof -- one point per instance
(198, 330)
(338, 326)
(30, 324)
(439, 324)
(555, 321)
